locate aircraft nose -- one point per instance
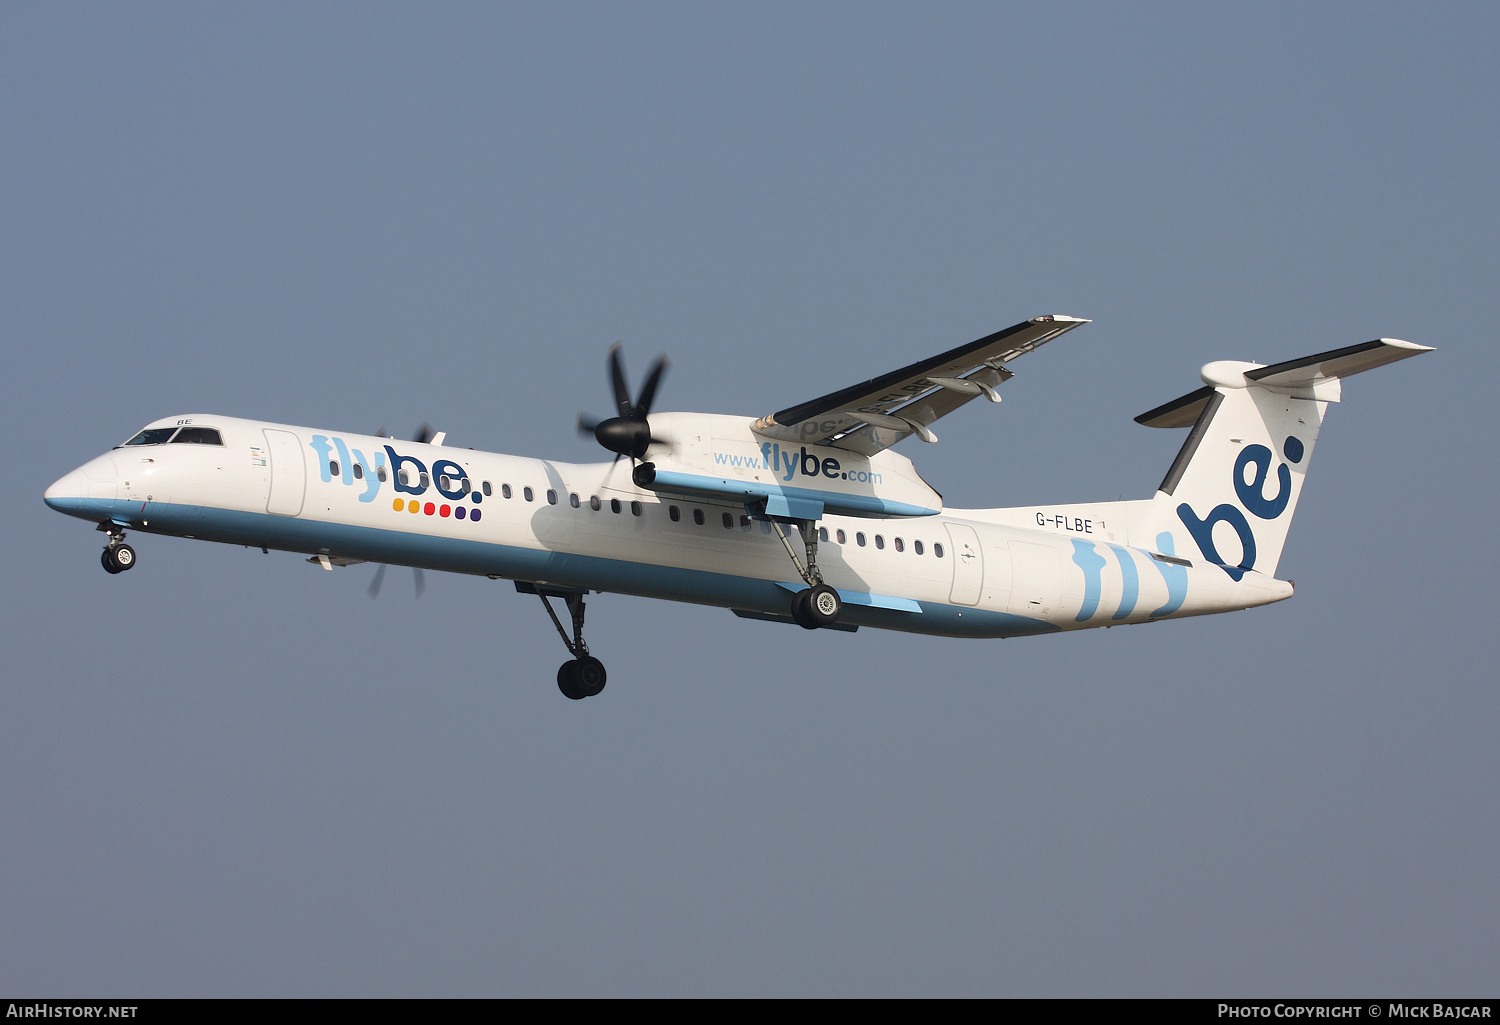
(65, 492)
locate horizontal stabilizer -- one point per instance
(1345, 362)
(1311, 377)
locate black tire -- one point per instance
(107, 560)
(124, 557)
(824, 605)
(802, 612)
(568, 680)
(591, 675)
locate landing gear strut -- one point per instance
(117, 556)
(583, 675)
(819, 605)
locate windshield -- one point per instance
(151, 436)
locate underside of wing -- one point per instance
(877, 413)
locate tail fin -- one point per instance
(1231, 491)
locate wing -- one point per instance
(877, 413)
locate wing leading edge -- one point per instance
(877, 413)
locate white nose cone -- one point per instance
(65, 492)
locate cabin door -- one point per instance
(288, 473)
(968, 564)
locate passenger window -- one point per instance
(485, 487)
(635, 508)
(403, 477)
(444, 482)
(463, 486)
(879, 541)
(859, 538)
(551, 497)
(573, 500)
(765, 526)
(333, 467)
(917, 547)
(937, 550)
(674, 513)
(527, 494)
(594, 503)
(359, 472)
(614, 506)
(380, 474)
(423, 479)
(504, 490)
(839, 535)
(728, 521)
(744, 523)
(900, 545)
(698, 517)
(822, 533)
(198, 436)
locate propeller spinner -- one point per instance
(629, 433)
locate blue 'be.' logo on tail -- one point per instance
(1253, 496)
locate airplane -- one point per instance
(805, 516)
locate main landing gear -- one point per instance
(117, 556)
(819, 605)
(583, 675)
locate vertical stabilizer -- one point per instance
(1229, 496)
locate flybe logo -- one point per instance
(407, 475)
(788, 464)
(1252, 496)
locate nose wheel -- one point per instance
(117, 556)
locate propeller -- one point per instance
(419, 578)
(629, 433)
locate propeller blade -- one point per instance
(617, 381)
(587, 425)
(381, 433)
(424, 434)
(421, 580)
(374, 590)
(648, 390)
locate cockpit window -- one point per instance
(151, 436)
(198, 436)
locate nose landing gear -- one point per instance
(117, 556)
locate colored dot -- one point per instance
(399, 505)
(474, 515)
(460, 512)
(444, 511)
(476, 496)
(1293, 449)
(412, 506)
(428, 508)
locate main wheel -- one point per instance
(107, 560)
(568, 680)
(823, 605)
(124, 557)
(801, 612)
(591, 675)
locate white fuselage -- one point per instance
(993, 573)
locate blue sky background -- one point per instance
(232, 774)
